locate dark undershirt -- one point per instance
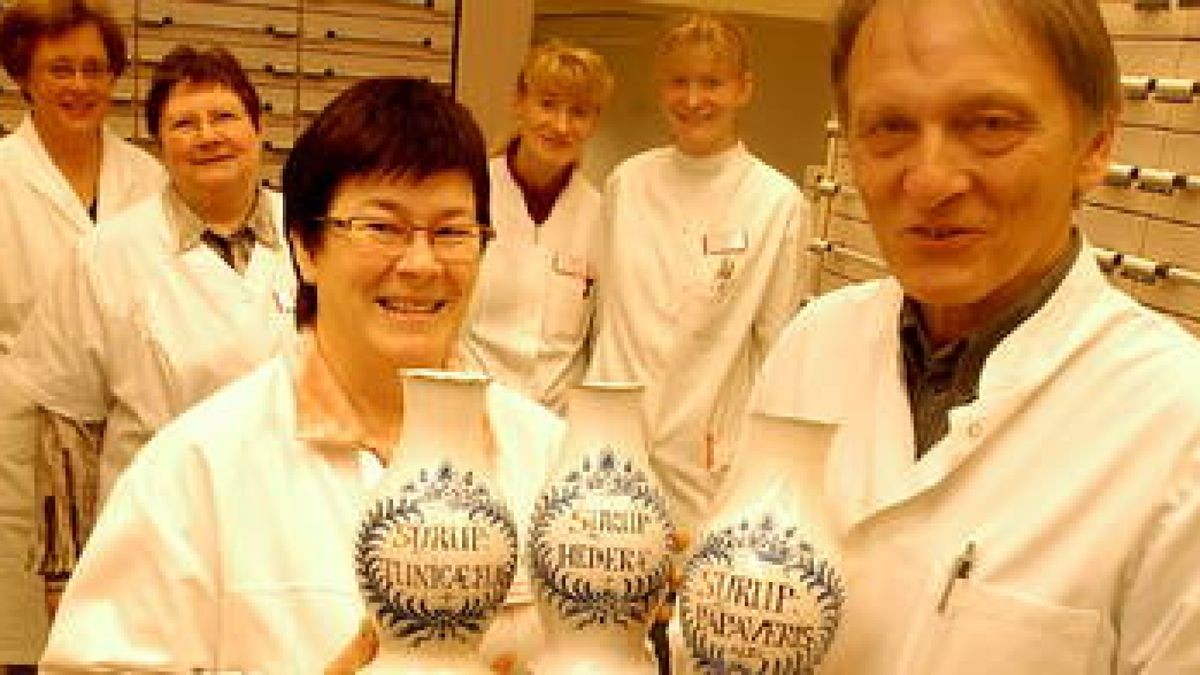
(942, 378)
(539, 202)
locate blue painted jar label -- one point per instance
(600, 542)
(435, 558)
(758, 599)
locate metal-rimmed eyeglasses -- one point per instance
(449, 242)
(89, 70)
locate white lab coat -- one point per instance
(228, 543)
(1076, 473)
(532, 307)
(40, 220)
(694, 326)
(133, 332)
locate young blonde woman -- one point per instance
(701, 265)
(533, 306)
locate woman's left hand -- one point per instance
(365, 645)
(362, 650)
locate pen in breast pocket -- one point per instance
(959, 571)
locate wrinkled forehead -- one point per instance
(933, 29)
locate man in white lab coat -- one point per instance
(1016, 478)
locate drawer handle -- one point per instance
(276, 31)
(825, 247)
(1157, 181)
(1174, 90)
(1143, 270)
(1121, 175)
(1152, 4)
(1164, 89)
(828, 187)
(1136, 87)
(160, 22)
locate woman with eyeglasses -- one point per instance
(227, 544)
(183, 292)
(61, 171)
(530, 317)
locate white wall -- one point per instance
(494, 37)
(784, 124)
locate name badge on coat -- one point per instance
(724, 243)
(574, 266)
(570, 264)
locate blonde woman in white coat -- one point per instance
(533, 305)
(702, 263)
(61, 171)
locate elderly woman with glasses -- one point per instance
(183, 292)
(61, 171)
(228, 543)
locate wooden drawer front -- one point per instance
(1176, 245)
(1186, 115)
(1143, 61)
(1173, 297)
(259, 57)
(831, 281)
(329, 66)
(1142, 148)
(278, 103)
(424, 30)
(854, 234)
(235, 18)
(1111, 229)
(855, 254)
(1182, 156)
(1190, 10)
(848, 203)
(277, 140)
(1126, 18)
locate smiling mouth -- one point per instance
(940, 232)
(411, 306)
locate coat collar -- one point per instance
(1022, 364)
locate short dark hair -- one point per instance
(1071, 31)
(185, 63)
(27, 21)
(390, 126)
